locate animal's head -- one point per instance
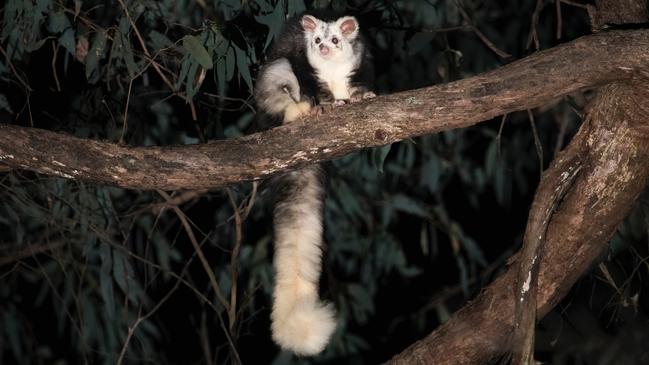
(330, 40)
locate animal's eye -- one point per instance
(334, 40)
(317, 40)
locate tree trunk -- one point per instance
(614, 143)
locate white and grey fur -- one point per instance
(297, 76)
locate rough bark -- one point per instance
(614, 145)
(615, 12)
(547, 197)
(534, 81)
(555, 183)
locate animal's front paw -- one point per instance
(362, 95)
(321, 109)
(339, 102)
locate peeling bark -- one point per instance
(614, 143)
(585, 63)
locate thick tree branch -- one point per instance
(551, 189)
(613, 145)
(536, 80)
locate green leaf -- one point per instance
(12, 10)
(443, 314)
(195, 48)
(67, 41)
(464, 274)
(159, 40)
(95, 55)
(230, 63)
(431, 173)
(4, 104)
(11, 328)
(408, 205)
(120, 273)
(242, 65)
(491, 158)
(229, 8)
(295, 7)
(361, 302)
(192, 86)
(379, 154)
(419, 41)
(129, 60)
(106, 280)
(162, 250)
(58, 22)
(273, 20)
(473, 250)
(124, 25)
(184, 70)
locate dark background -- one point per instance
(413, 230)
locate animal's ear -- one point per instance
(348, 26)
(309, 23)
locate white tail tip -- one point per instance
(304, 329)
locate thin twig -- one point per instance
(55, 50)
(64, 307)
(131, 329)
(144, 48)
(146, 261)
(6, 258)
(557, 4)
(199, 251)
(464, 27)
(243, 101)
(499, 135)
(204, 339)
(128, 100)
(251, 201)
(234, 262)
(537, 140)
(11, 66)
(573, 3)
(178, 200)
(563, 127)
(110, 112)
(483, 38)
(534, 35)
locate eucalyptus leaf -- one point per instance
(106, 279)
(95, 55)
(58, 22)
(408, 205)
(242, 66)
(67, 41)
(296, 7)
(230, 61)
(4, 104)
(379, 154)
(274, 20)
(159, 40)
(12, 10)
(195, 48)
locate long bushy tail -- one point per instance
(277, 91)
(300, 322)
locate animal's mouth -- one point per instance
(324, 50)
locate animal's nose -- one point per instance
(324, 49)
